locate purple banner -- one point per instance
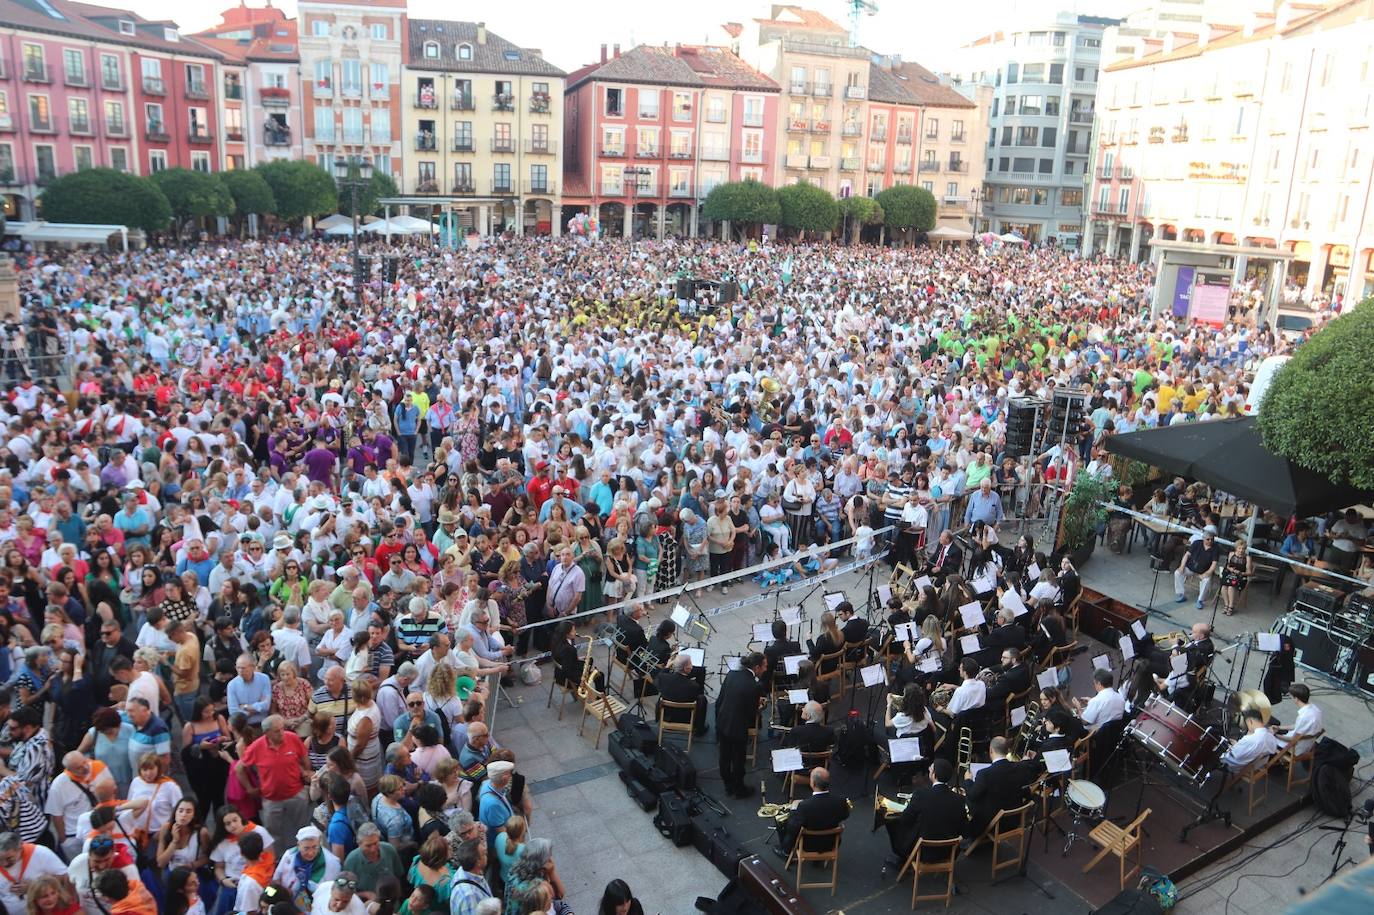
(1183, 291)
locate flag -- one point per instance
(787, 269)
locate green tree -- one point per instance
(907, 208)
(744, 204)
(1319, 411)
(194, 195)
(105, 196)
(808, 208)
(377, 187)
(860, 212)
(250, 192)
(300, 189)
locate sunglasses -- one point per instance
(414, 704)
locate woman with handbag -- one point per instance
(798, 499)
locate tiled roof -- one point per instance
(643, 64)
(497, 55)
(927, 88)
(106, 19)
(268, 43)
(801, 18)
(722, 68)
(885, 87)
(29, 16)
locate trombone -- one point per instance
(1021, 742)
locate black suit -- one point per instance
(1009, 636)
(674, 687)
(1012, 680)
(947, 560)
(935, 812)
(810, 738)
(99, 664)
(822, 810)
(632, 635)
(1001, 786)
(855, 634)
(737, 710)
(775, 652)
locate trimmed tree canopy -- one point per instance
(194, 195)
(808, 208)
(97, 196)
(1318, 411)
(250, 192)
(301, 189)
(863, 210)
(908, 207)
(743, 203)
(378, 186)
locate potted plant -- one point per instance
(1081, 516)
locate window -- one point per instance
(465, 52)
(324, 74)
(1032, 104)
(425, 180)
(753, 146)
(157, 160)
(353, 126)
(35, 67)
(753, 111)
(324, 125)
(381, 126)
(1027, 136)
(1033, 73)
(46, 161)
(381, 163)
(798, 79)
(1010, 107)
(1086, 42)
(319, 28)
(1006, 136)
(351, 76)
(195, 79)
(109, 71)
(1124, 201)
(932, 128)
(613, 141)
(715, 109)
(152, 113)
(539, 179)
(462, 136)
(78, 111)
(951, 188)
(615, 103)
(379, 32)
(200, 161)
(956, 131)
(119, 158)
(648, 104)
(432, 50)
(114, 117)
(233, 162)
(929, 186)
(646, 141)
(1058, 39)
(1022, 164)
(152, 74)
(462, 176)
(611, 180)
(126, 27)
(501, 134)
(74, 68)
(1047, 166)
(82, 158)
(1056, 74)
(199, 123)
(1048, 136)
(1052, 106)
(233, 122)
(1013, 72)
(500, 178)
(381, 80)
(682, 106)
(40, 116)
(1071, 197)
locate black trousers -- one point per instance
(732, 752)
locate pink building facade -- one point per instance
(650, 132)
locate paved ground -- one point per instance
(599, 833)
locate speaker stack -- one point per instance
(362, 271)
(1024, 416)
(1067, 418)
(685, 288)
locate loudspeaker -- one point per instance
(1023, 422)
(729, 291)
(685, 288)
(390, 265)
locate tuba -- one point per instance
(766, 407)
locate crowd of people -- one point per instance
(266, 554)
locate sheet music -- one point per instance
(902, 632)
(904, 749)
(922, 583)
(872, 675)
(789, 663)
(681, 615)
(1032, 571)
(789, 760)
(797, 696)
(1269, 641)
(975, 768)
(763, 632)
(1056, 760)
(1012, 601)
(972, 614)
(1138, 628)
(984, 583)
(884, 594)
(930, 665)
(833, 600)
(1127, 648)
(1100, 662)
(1048, 678)
(697, 656)
(969, 644)
(1018, 716)
(791, 616)
(732, 663)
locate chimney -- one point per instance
(616, 52)
(481, 33)
(603, 53)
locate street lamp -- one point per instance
(636, 174)
(974, 195)
(354, 184)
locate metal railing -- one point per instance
(36, 72)
(541, 147)
(153, 85)
(74, 79)
(199, 136)
(426, 100)
(426, 142)
(928, 165)
(463, 102)
(197, 91)
(272, 137)
(503, 102)
(502, 145)
(463, 144)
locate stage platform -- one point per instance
(1053, 879)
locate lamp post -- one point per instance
(635, 174)
(974, 195)
(353, 184)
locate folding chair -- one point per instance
(1119, 841)
(831, 857)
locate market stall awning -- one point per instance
(1229, 455)
(949, 233)
(68, 232)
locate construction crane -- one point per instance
(858, 8)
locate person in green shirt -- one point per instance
(372, 860)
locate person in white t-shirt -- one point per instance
(1308, 725)
(21, 863)
(1104, 707)
(339, 897)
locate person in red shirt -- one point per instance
(540, 486)
(282, 766)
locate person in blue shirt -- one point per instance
(340, 836)
(602, 494)
(133, 522)
(494, 807)
(983, 505)
(407, 419)
(250, 692)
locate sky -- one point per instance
(571, 34)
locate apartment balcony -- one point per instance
(959, 166)
(6, 122)
(856, 92)
(878, 165)
(822, 90)
(464, 186)
(715, 153)
(1079, 150)
(425, 184)
(502, 145)
(1080, 117)
(233, 92)
(852, 129)
(116, 128)
(1179, 136)
(45, 177)
(647, 152)
(820, 126)
(426, 142)
(680, 154)
(904, 168)
(35, 72)
(715, 117)
(904, 138)
(1156, 135)
(9, 177)
(153, 85)
(798, 125)
(108, 83)
(613, 152)
(752, 157)
(679, 192)
(233, 134)
(197, 91)
(820, 163)
(200, 136)
(753, 120)
(74, 79)
(354, 137)
(929, 166)
(612, 189)
(275, 97)
(351, 90)
(795, 160)
(849, 163)
(156, 133)
(548, 188)
(463, 145)
(427, 100)
(878, 135)
(503, 102)
(799, 89)
(462, 103)
(502, 187)
(272, 137)
(957, 137)
(541, 147)
(324, 88)
(1125, 172)
(79, 126)
(41, 124)
(1106, 172)
(540, 104)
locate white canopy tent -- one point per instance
(40, 232)
(340, 228)
(949, 233)
(401, 225)
(1012, 237)
(330, 222)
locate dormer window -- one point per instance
(171, 35)
(432, 50)
(465, 52)
(126, 27)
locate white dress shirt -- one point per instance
(1308, 724)
(1105, 707)
(972, 693)
(1253, 748)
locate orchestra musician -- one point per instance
(948, 560)
(737, 710)
(1255, 748)
(660, 643)
(935, 812)
(908, 715)
(1001, 785)
(676, 683)
(829, 641)
(1059, 727)
(1013, 676)
(854, 629)
(781, 647)
(1007, 633)
(1106, 705)
(567, 669)
(822, 810)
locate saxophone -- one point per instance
(584, 681)
(1022, 739)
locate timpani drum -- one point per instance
(1181, 742)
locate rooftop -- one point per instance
(490, 52)
(692, 66)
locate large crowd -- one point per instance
(309, 526)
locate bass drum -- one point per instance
(1184, 744)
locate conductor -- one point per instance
(737, 710)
